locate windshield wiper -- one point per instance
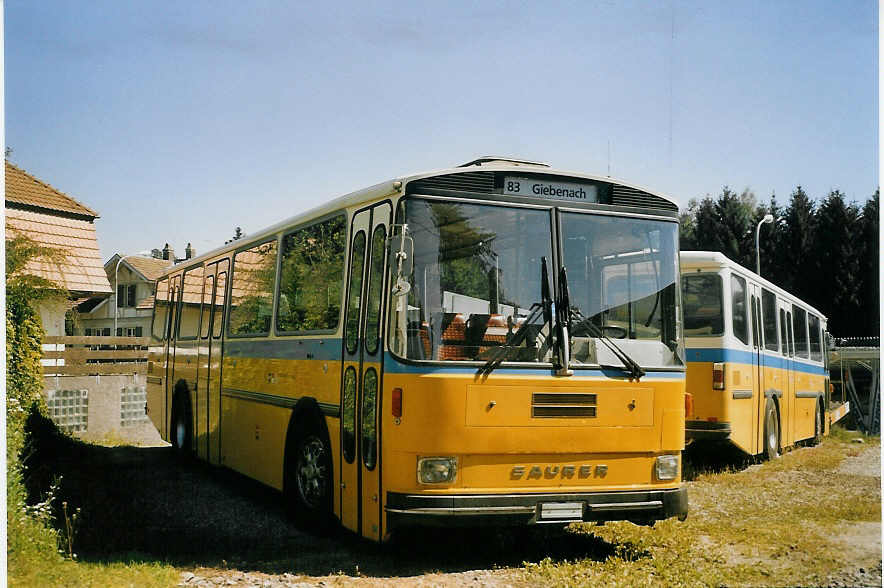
(515, 339)
(632, 367)
(563, 320)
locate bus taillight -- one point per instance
(397, 403)
(688, 405)
(718, 376)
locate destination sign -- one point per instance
(539, 188)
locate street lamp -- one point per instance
(117, 286)
(768, 218)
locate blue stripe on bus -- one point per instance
(394, 366)
(330, 350)
(320, 349)
(710, 355)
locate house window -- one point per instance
(129, 331)
(126, 295)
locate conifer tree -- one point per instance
(870, 270)
(837, 258)
(798, 227)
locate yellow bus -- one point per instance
(757, 371)
(416, 353)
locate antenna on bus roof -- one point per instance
(609, 158)
(497, 159)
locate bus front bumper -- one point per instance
(404, 510)
(707, 431)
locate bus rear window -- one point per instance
(740, 323)
(703, 305)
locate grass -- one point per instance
(780, 523)
(38, 551)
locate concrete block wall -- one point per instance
(97, 405)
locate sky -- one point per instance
(179, 121)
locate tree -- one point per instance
(687, 226)
(24, 331)
(774, 265)
(869, 268)
(798, 229)
(836, 256)
(237, 235)
(726, 225)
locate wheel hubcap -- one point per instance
(311, 472)
(180, 433)
(772, 431)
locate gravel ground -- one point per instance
(225, 530)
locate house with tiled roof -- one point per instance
(132, 278)
(53, 219)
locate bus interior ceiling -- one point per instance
(855, 368)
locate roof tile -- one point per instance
(23, 188)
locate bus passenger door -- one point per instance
(787, 404)
(360, 489)
(209, 377)
(203, 354)
(214, 360)
(757, 368)
(174, 299)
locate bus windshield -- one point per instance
(477, 276)
(622, 277)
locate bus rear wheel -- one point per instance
(771, 431)
(181, 434)
(817, 426)
(308, 480)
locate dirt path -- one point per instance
(862, 538)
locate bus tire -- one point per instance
(817, 426)
(181, 434)
(307, 484)
(771, 431)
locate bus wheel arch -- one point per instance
(181, 422)
(308, 470)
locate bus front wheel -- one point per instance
(308, 481)
(771, 431)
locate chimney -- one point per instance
(168, 253)
(189, 252)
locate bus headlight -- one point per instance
(436, 470)
(666, 467)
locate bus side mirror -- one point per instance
(401, 260)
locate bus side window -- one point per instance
(207, 307)
(160, 309)
(769, 320)
(784, 339)
(790, 335)
(756, 341)
(738, 310)
(220, 291)
(251, 295)
(816, 344)
(799, 325)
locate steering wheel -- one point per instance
(615, 332)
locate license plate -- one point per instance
(561, 511)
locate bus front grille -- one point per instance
(563, 405)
